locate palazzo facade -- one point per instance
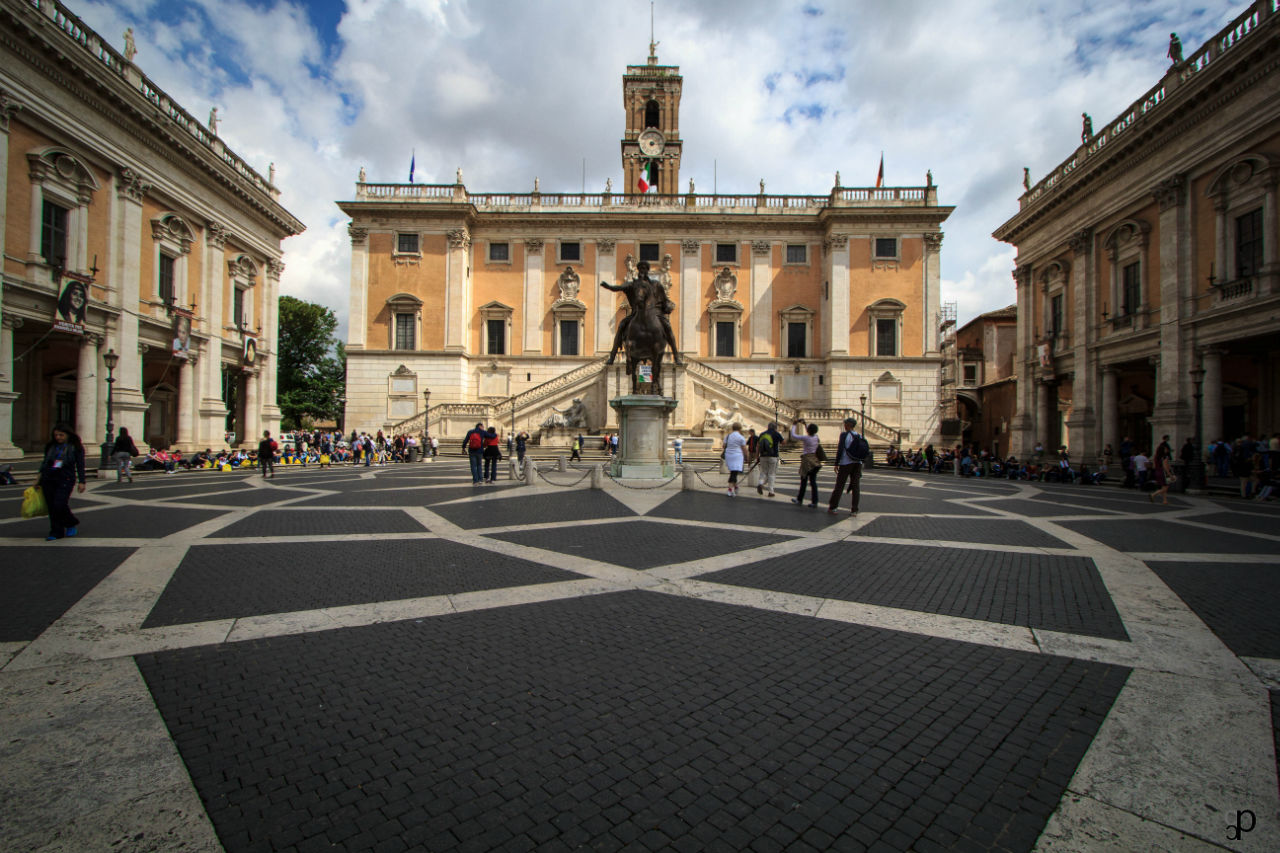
(126, 227)
(1148, 278)
(471, 307)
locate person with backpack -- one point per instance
(492, 454)
(473, 446)
(767, 458)
(267, 455)
(852, 451)
(123, 451)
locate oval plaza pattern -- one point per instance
(395, 659)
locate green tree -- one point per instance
(312, 364)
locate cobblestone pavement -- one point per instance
(394, 659)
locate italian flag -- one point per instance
(645, 181)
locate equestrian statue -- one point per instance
(645, 332)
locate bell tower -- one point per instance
(651, 98)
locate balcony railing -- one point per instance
(1238, 289)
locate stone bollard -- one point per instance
(688, 479)
(724, 466)
(513, 468)
(597, 477)
(753, 479)
(530, 471)
(562, 463)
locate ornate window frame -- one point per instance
(884, 309)
(171, 236)
(1127, 243)
(561, 259)
(1246, 183)
(400, 258)
(243, 273)
(786, 253)
(737, 253)
(568, 307)
(488, 252)
(404, 303)
(495, 311)
(60, 176)
(1053, 282)
(886, 262)
(796, 314)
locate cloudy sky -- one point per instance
(785, 91)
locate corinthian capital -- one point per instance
(8, 107)
(275, 267)
(459, 238)
(1081, 241)
(216, 233)
(1169, 192)
(131, 186)
(358, 235)
(933, 241)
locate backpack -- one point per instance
(473, 441)
(860, 449)
(766, 444)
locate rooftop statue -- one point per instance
(1087, 130)
(1175, 49)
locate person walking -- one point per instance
(492, 453)
(575, 452)
(473, 446)
(677, 448)
(522, 445)
(852, 451)
(1162, 473)
(735, 445)
(767, 458)
(123, 451)
(810, 447)
(62, 471)
(267, 456)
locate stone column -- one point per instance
(457, 315)
(1042, 415)
(213, 411)
(357, 321)
(34, 258)
(87, 389)
(761, 298)
(1211, 361)
(251, 431)
(271, 331)
(932, 292)
(1082, 426)
(7, 108)
(836, 249)
(691, 301)
(1022, 437)
(1173, 413)
(531, 339)
(606, 303)
(1110, 410)
(126, 256)
(187, 403)
(8, 450)
(1269, 280)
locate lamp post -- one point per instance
(1195, 472)
(426, 411)
(862, 412)
(110, 360)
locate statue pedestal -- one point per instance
(642, 436)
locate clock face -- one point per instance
(651, 142)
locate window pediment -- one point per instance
(1131, 232)
(60, 165)
(172, 228)
(1242, 172)
(404, 302)
(243, 267)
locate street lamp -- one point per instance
(1195, 473)
(110, 360)
(426, 410)
(862, 413)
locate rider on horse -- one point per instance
(637, 291)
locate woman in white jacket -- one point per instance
(734, 446)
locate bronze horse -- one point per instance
(644, 338)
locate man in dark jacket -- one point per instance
(852, 451)
(473, 446)
(267, 455)
(767, 458)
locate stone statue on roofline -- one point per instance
(1026, 178)
(1175, 49)
(213, 121)
(1086, 130)
(130, 46)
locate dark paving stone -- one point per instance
(1275, 727)
(975, 485)
(910, 504)
(765, 513)
(994, 531)
(140, 492)
(404, 497)
(641, 544)
(321, 522)
(1156, 536)
(1118, 500)
(1039, 591)
(245, 497)
(119, 522)
(1238, 601)
(1044, 508)
(1270, 509)
(627, 720)
(571, 506)
(41, 582)
(1269, 525)
(227, 581)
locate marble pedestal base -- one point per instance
(642, 437)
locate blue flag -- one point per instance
(412, 157)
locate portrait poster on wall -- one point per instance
(72, 305)
(181, 333)
(250, 350)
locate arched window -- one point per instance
(651, 113)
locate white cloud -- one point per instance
(972, 89)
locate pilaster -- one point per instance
(761, 298)
(87, 388)
(7, 395)
(1172, 413)
(836, 331)
(531, 340)
(130, 189)
(187, 403)
(606, 304)
(690, 295)
(357, 323)
(1082, 424)
(932, 293)
(457, 291)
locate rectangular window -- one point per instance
(1248, 243)
(570, 251)
(407, 244)
(1130, 289)
(726, 331)
(796, 338)
(500, 252)
(886, 247)
(53, 233)
(1055, 315)
(886, 336)
(726, 253)
(404, 331)
(164, 285)
(496, 338)
(797, 253)
(971, 374)
(568, 337)
(649, 252)
(237, 307)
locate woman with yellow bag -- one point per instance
(61, 471)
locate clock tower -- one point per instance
(651, 98)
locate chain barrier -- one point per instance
(640, 488)
(717, 486)
(554, 483)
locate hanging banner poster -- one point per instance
(72, 305)
(181, 333)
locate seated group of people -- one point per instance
(967, 461)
